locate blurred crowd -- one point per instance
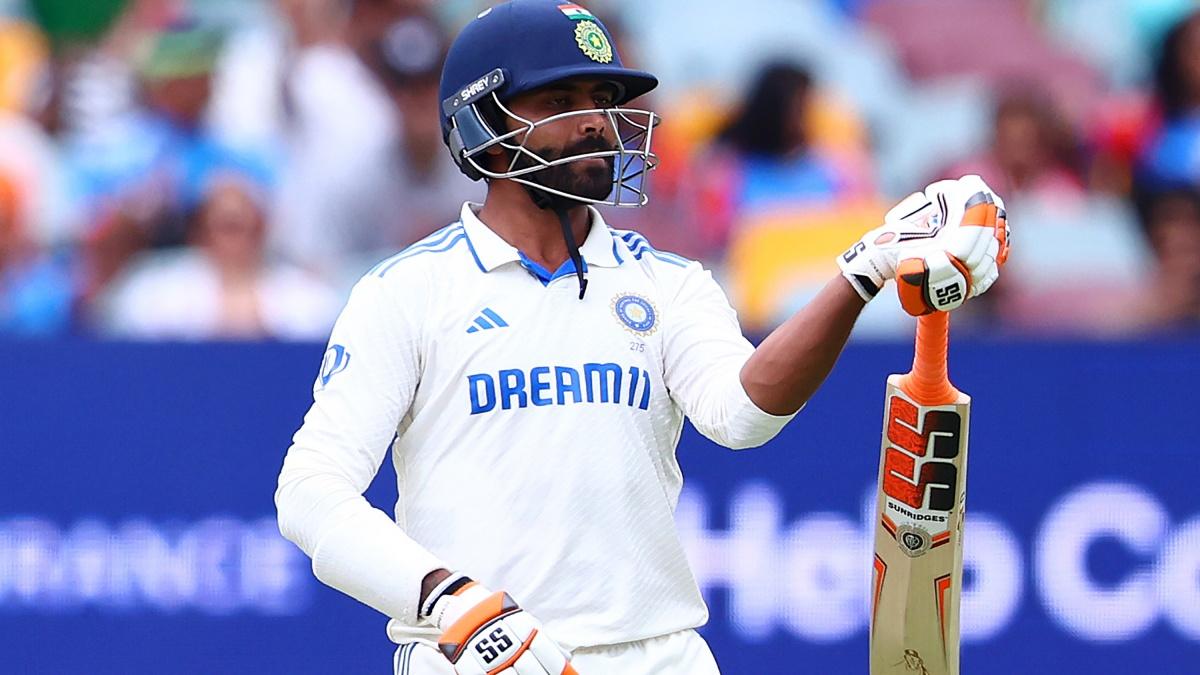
(226, 169)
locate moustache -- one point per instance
(588, 145)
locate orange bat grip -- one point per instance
(928, 383)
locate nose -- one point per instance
(593, 124)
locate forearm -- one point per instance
(355, 547)
(793, 361)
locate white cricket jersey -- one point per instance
(535, 432)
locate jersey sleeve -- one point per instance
(364, 388)
(704, 351)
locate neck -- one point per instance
(235, 268)
(537, 233)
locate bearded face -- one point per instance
(561, 124)
(588, 178)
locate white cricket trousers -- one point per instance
(682, 653)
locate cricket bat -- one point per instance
(917, 579)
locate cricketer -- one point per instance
(528, 369)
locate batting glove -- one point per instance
(486, 633)
(943, 246)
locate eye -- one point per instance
(558, 102)
(603, 101)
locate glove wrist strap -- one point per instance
(866, 288)
(455, 600)
(861, 270)
(448, 586)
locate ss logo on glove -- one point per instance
(493, 645)
(949, 294)
(850, 255)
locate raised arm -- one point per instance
(942, 246)
(792, 362)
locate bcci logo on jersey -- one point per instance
(636, 313)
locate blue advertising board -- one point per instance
(137, 529)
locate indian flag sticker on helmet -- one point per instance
(576, 12)
(593, 42)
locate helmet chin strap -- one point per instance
(560, 206)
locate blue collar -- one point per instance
(544, 275)
(599, 248)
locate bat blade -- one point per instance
(917, 575)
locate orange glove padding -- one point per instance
(489, 634)
(943, 246)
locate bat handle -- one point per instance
(929, 383)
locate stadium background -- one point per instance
(187, 189)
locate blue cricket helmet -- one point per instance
(522, 45)
(535, 43)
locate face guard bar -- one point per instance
(633, 158)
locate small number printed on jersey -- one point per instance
(637, 314)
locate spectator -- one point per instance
(1033, 152)
(1168, 182)
(1061, 282)
(35, 288)
(778, 195)
(1172, 157)
(763, 160)
(1172, 222)
(146, 171)
(22, 55)
(176, 75)
(31, 159)
(422, 190)
(336, 205)
(222, 286)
